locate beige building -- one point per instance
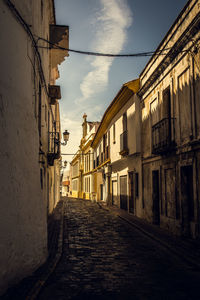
(30, 133)
(170, 94)
(116, 147)
(82, 163)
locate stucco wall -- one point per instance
(23, 232)
(177, 165)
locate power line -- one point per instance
(139, 54)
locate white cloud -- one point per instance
(111, 24)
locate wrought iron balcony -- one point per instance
(124, 143)
(161, 136)
(53, 147)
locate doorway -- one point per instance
(101, 191)
(123, 192)
(187, 198)
(155, 197)
(114, 192)
(131, 192)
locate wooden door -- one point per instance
(123, 192)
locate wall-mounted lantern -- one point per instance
(65, 137)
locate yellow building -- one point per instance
(82, 163)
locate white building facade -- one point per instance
(30, 133)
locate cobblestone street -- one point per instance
(106, 258)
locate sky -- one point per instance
(88, 83)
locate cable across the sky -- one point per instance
(139, 54)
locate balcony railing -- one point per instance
(124, 143)
(53, 147)
(162, 136)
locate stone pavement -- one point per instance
(104, 257)
(187, 248)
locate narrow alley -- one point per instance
(100, 149)
(104, 257)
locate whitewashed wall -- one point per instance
(23, 203)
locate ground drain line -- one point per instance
(40, 283)
(177, 254)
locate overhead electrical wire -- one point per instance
(139, 54)
(56, 46)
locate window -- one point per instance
(42, 8)
(166, 104)
(85, 165)
(41, 178)
(184, 99)
(75, 185)
(104, 143)
(75, 170)
(114, 141)
(89, 162)
(87, 185)
(124, 122)
(100, 156)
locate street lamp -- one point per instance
(65, 137)
(63, 165)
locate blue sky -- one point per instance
(89, 84)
